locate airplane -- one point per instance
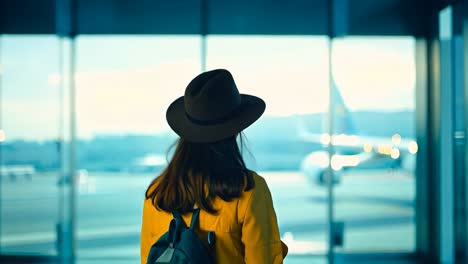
(150, 163)
(15, 171)
(351, 149)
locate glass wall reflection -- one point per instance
(29, 144)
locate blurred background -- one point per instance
(362, 142)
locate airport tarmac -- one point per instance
(376, 207)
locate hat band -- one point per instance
(216, 121)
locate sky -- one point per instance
(125, 83)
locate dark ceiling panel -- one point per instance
(27, 16)
(387, 17)
(277, 17)
(261, 17)
(139, 17)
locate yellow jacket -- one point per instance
(246, 228)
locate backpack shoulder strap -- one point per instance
(176, 227)
(177, 216)
(194, 220)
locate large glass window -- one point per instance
(374, 113)
(29, 149)
(291, 75)
(124, 85)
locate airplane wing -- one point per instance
(348, 139)
(394, 145)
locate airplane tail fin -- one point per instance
(342, 120)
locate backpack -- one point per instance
(181, 244)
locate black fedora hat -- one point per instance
(212, 108)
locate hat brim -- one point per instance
(250, 109)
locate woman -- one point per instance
(207, 172)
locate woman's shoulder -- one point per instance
(153, 185)
(254, 199)
(148, 201)
(259, 188)
(259, 181)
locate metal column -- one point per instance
(66, 228)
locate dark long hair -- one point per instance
(198, 172)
